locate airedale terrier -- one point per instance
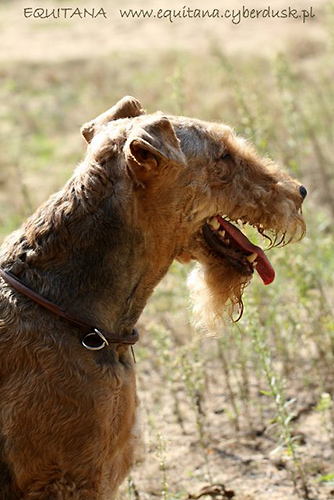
(151, 189)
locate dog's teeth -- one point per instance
(226, 241)
(251, 258)
(222, 233)
(214, 223)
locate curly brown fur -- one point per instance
(139, 200)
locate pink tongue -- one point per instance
(264, 268)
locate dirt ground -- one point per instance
(244, 464)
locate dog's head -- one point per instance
(192, 187)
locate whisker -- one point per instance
(261, 231)
(282, 242)
(241, 312)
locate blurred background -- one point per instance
(248, 415)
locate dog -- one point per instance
(75, 278)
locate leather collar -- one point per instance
(90, 330)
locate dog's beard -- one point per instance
(216, 293)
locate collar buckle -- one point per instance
(94, 341)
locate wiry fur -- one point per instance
(98, 248)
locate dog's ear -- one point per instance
(128, 107)
(151, 145)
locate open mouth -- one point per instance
(229, 242)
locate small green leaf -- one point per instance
(327, 478)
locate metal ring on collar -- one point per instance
(94, 341)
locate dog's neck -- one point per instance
(89, 260)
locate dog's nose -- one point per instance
(303, 192)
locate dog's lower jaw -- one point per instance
(216, 293)
(216, 285)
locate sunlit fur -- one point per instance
(98, 248)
